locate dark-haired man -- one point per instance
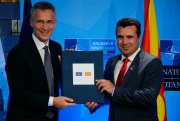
(132, 79)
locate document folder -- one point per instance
(80, 69)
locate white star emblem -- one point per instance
(172, 52)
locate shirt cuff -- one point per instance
(113, 91)
(50, 103)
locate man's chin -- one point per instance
(44, 40)
(126, 53)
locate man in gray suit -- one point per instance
(133, 97)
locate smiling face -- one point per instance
(127, 40)
(43, 23)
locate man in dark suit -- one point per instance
(32, 97)
(133, 97)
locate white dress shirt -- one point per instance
(40, 45)
(120, 63)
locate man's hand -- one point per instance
(91, 105)
(62, 102)
(69, 50)
(105, 85)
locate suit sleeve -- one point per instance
(149, 81)
(20, 91)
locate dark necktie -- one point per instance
(122, 72)
(48, 70)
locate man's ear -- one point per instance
(31, 22)
(59, 57)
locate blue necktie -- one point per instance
(48, 70)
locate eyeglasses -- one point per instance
(43, 22)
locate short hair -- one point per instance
(129, 22)
(43, 6)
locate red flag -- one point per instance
(150, 44)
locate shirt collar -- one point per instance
(38, 43)
(131, 58)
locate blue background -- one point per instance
(97, 19)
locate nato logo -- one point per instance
(170, 52)
(77, 47)
(170, 56)
(76, 44)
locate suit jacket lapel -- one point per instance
(37, 61)
(133, 68)
(113, 64)
(55, 52)
(53, 56)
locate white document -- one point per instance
(83, 74)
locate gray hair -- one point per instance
(42, 6)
